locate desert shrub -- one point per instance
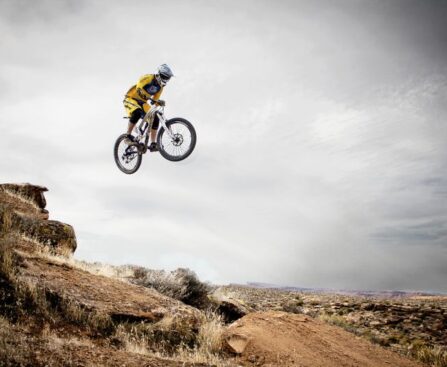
(293, 305)
(314, 302)
(337, 321)
(194, 292)
(181, 284)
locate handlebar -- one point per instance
(155, 101)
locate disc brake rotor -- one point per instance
(177, 140)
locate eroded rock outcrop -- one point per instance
(63, 281)
(119, 300)
(26, 198)
(22, 211)
(228, 306)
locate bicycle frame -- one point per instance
(149, 120)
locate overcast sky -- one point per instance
(322, 128)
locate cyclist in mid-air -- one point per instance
(149, 86)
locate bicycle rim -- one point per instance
(127, 157)
(182, 142)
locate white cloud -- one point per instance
(321, 137)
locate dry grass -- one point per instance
(6, 261)
(26, 297)
(334, 320)
(107, 270)
(197, 356)
(94, 321)
(209, 343)
(432, 356)
(111, 271)
(166, 336)
(32, 298)
(5, 221)
(133, 338)
(210, 335)
(167, 339)
(13, 351)
(181, 284)
(64, 252)
(22, 198)
(20, 348)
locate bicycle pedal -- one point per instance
(141, 148)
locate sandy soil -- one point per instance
(284, 339)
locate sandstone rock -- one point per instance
(58, 237)
(30, 197)
(22, 212)
(231, 309)
(236, 343)
(105, 296)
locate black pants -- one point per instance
(139, 114)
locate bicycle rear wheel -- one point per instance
(127, 157)
(182, 142)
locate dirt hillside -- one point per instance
(55, 311)
(285, 339)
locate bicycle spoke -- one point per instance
(179, 142)
(127, 155)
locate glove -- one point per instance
(160, 102)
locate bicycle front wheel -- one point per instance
(127, 156)
(180, 143)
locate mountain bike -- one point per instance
(176, 140)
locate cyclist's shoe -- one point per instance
(153, 147)
(129, 139)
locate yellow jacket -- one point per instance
(146, 87)
(137, 96)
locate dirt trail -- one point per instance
(285, 339)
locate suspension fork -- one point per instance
(162, 120)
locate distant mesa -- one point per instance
(346, 292)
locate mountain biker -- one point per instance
(150, 86)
